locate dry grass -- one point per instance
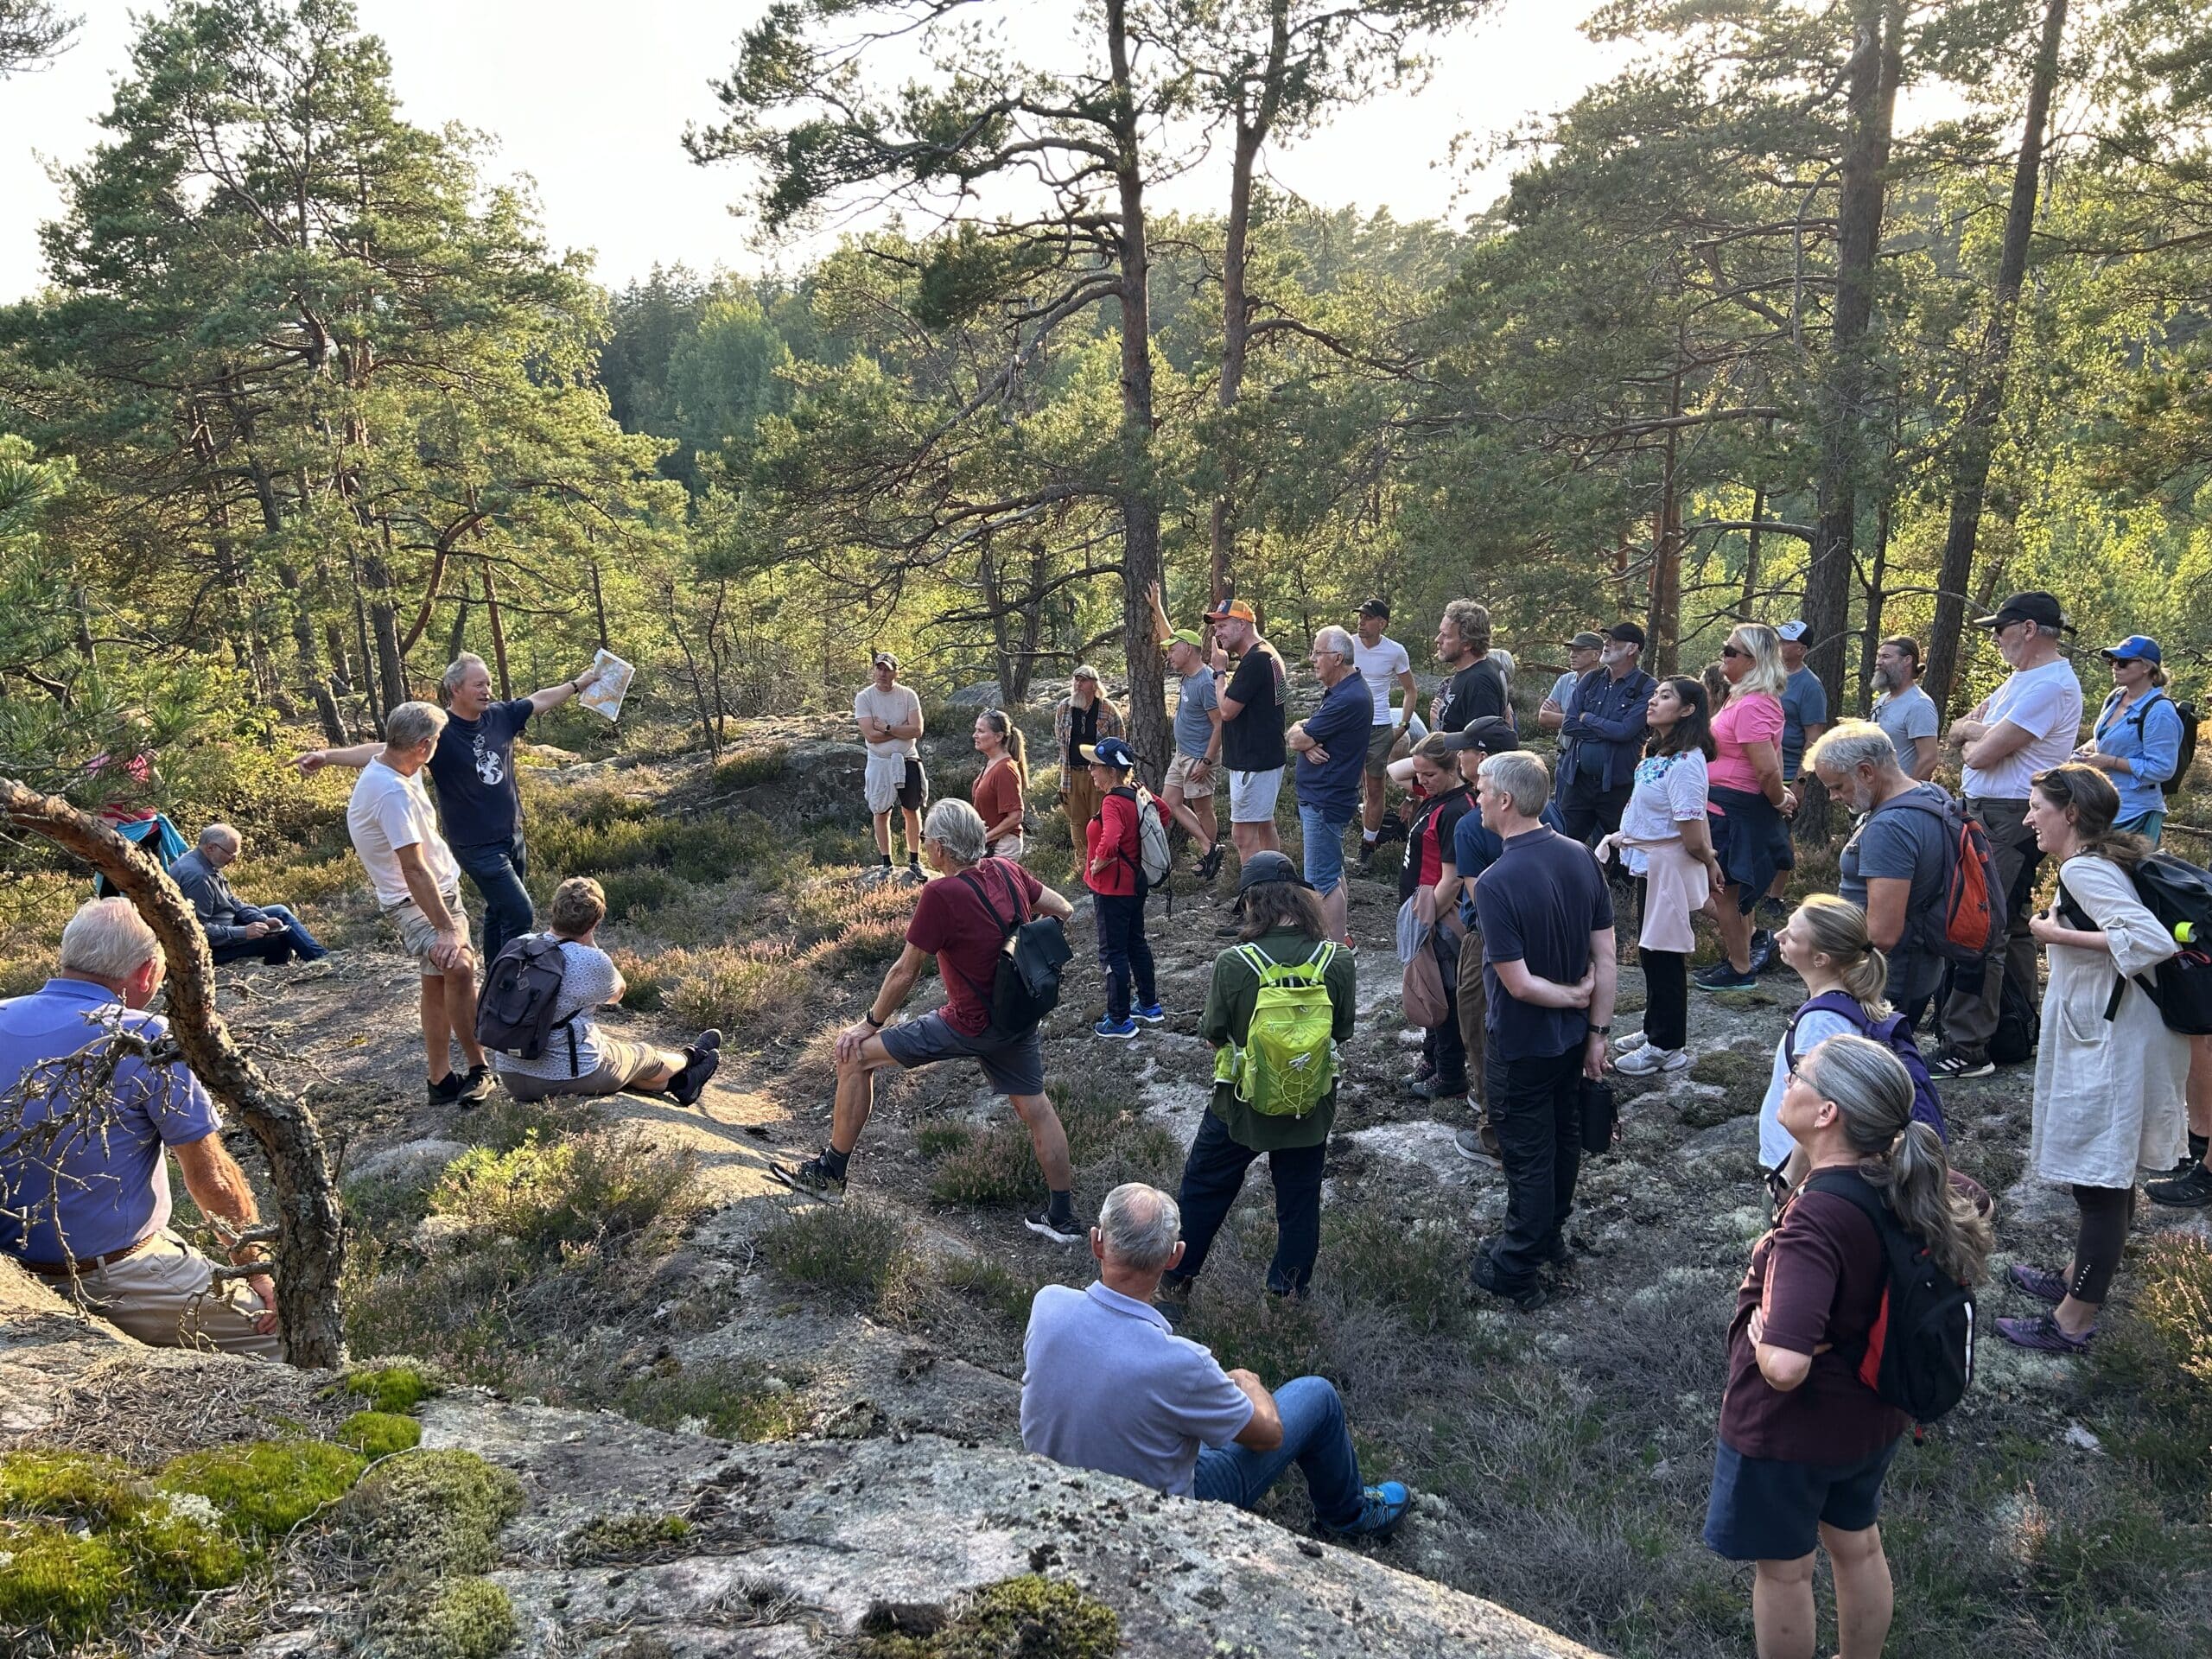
(760, 988)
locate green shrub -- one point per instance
(380, 1433)
(606, 1186)
(735, 1400)
(750, 767)
(266, 1487)
(850, 1247)
(629, 892)
(2152, 1364)
(390, 1388)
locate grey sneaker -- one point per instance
(1061, 1231)
(1650, 1061)
(1478, 1146)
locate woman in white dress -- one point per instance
(2108, 1091)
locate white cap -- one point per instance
(1791, 631)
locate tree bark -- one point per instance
(1977, 438)
(1666, 613)
(499, 635)
(1751, 555)
(310, 1244)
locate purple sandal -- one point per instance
(2042, 1335)
(2039, 1282)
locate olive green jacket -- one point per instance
(1228, 1016)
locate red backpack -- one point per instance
(1971, 924)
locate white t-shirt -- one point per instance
(587, 977)
(1380, 665)
(897, 707)
(387, 812)
(2046, 703)
(1670, 790)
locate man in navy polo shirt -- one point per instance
(1550, 973)
(1332, 748)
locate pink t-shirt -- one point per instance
(1749, 717)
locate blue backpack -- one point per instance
(1893, 1034)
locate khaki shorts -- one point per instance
(167, 1295)
(620, 1064)
(1382, 748)
(419, 936)
(1179, 777)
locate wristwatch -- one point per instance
(1601, 1031)
(874, 1024)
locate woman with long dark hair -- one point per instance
(1749, 837)
(1804, 1445)
(2110, 1077)
(1663, 841)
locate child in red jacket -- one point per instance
(1113, 870)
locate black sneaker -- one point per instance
(1763, 957)
(1721, 976)
(1527, 1298)
(1209, 866)
(1772, 912)
(811, 1178)
(1951, 1064)
(476, 1087)
(1061, 1230)
(2192, 1190)
(700, 1060)
(446, 1090)
(1435, 1088)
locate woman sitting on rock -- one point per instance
(1804, 1443)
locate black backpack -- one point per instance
(2180, 896)
(514, 1013)
(1025, 984)
(2183, 757)
(1919, 1354)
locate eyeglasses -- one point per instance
(1734, 651)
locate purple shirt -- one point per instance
(114, 1189)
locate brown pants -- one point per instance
(1473, 1004)
(1082, 805)
(165, 1295)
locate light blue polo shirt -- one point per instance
(1106, 1385)
(114, 1189)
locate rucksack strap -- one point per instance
(1837, 1002)
(971, 878)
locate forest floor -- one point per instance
(634, 1255)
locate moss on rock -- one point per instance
(390, 1388)
(1012, 1619)
(266, 1487)
(463, 1618)
(438, 1511)
(380, 1433)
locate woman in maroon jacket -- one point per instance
(1804, 1443)
(1114, 871)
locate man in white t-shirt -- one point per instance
(890, 718)
(1381, 662)
(2027, 725)
(1903, 710)
(395, 835)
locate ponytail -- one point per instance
(1017, 746)
(1838, 932)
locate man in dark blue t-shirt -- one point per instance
(1332, 748)
(1548, 974)
(479, 806)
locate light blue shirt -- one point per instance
(1106, 1385)
(1194, 708)
(2151, 746)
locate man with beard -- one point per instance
(1903, 709)
(1476, 686)
(1893, 866)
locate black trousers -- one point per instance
(1587, 811)
(1535, 1107)
(1665, 997)
(1213, 1174)
(1445, 1047)
(1122, 951)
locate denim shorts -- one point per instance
(1771, 1509)
(1012, 1068)
(1325, 850)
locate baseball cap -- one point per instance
(1235, 608)
(1491, 734)
(1627, 633)
(1586, 640)
(885, 659)
(1266, 867)
(1188, 636)
(1793, 632)
(1374, 607)
(2034, 606)
(1110, 752)
(2135, 647)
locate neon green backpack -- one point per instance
(1287, 1063)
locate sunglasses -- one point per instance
(2123, 661)
(1734, 651)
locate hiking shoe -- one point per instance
(1651, 1060)
(1761, 953)
(700, 1061)
(2190, 1192)
(913, 875)
(812, 1177)
(873, 874)
(1381, 1508)
(446, 1090)
(1065, 1230)
(1435, 1088)
(1723, 976)
(1152, 1014)
(1209, 866)
(1772, 912)
(2039, 1282)
(1479, 1146)
(1111, 1028)
(2042, 1335)
(1952, 1063)
(1528, 1298)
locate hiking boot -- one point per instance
(1479, 1145)
(914, 875)
(2042, 1335)
(2039, 1282)
(1723, 976)
(2192, 1190)
(813, 1178)
(700, 1060)
(1209, 866)
(1110, 1026)
(1651, 1060)
(1065, 1230)
(1381, 1508)
(1152, 1014)
(476, 1087)
(1527, 1297)
(446, 1090)
(1436, 1088)
(1952, 1063)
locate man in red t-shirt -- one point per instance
(962, 922)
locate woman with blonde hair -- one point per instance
(1083, 718)
(1747, 801)
(999, 789)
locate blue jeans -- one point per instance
(1325, 848)
(274, 948)
(498, 870)
(1123, 952)
(1315, 1436)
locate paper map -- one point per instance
(613, 676)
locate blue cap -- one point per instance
(1110, 752)
(2135, 646)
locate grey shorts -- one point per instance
(418, 937)
(1011, 1068)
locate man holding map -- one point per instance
(474, 768)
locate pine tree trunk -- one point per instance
(499, 635)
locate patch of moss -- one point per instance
(625, 1538)
(390, 1388)
(68, 1486)
(464, 1619)
(439, 1511)
(1744, 1001)
(380, 1433)
(1012, 1619)
(57, 1583)
(266, 1487)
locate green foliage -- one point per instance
(390, 1388)
(437, 1513)
(1110, 1137)
(1011, 1620)
(851, 1247)
(265, 1488)
(756, 987)
(551, 1198)
(465, 1618)
(2156, 1355)
(380, 1433)
(625, 1538)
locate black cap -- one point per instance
(1627, 633)
(2034, 606)
(1491, 734)
(1374, 608)
(1268, 867)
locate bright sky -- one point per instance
(591, 101)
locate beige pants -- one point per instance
(167, 1296)
(1474, 1002)
(1082, 805)
(620, 1064)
